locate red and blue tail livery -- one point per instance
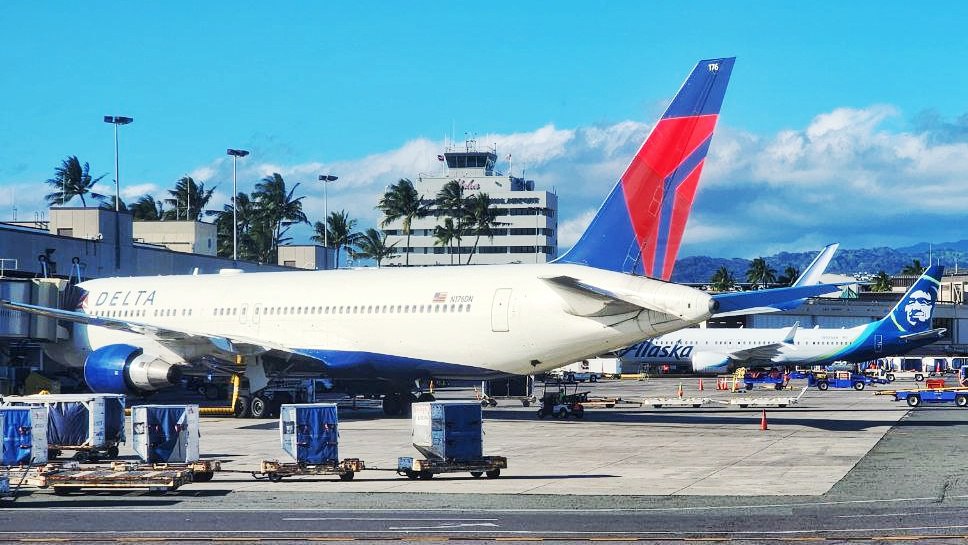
(639, 228)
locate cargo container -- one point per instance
(447, 430)
(165, 433)
(91, 424)
(24, 435)
(310, 432)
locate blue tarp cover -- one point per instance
(17, 435)
(164, 427)
(317, 435)
(67, 423)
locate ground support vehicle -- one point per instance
(917, 376)
(275, 470)
(489, 466)
(917, 396)
(842, 379)
(659, 402)
(779, 401)
(560, 403)
(515, 388)
(72, 477)
(776, 378)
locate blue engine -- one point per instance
(126, 369)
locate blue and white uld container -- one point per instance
(165, 433)
(310, 432)
(24, 435)
(448, 430)
(79, 420)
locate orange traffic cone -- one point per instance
(700, 384)
(763, 426)
(679, 390)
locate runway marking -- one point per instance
(396, 519)
(485, 510)
(443, 526)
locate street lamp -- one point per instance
(235, 153)
(117, 120)
(326, 178)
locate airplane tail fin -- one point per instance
(639, 227)
(912, 313)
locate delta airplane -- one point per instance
(906, 327)
(386, 329)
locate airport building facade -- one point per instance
(527, 219)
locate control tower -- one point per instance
(528, 218)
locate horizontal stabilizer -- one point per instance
(759, 301)
(586, 300)
(921, 335)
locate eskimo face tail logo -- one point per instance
(913, 312)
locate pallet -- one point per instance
(490, 466)
(71, 477)
(275, 470)
(659, 402)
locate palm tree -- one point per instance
(107, 203)
(722, 280)
(789, 276)
(913, 269)
(146, 208)
(339, 231)
(760, 273)
(372, 244)
(70, 180)
(451, 202)
(882, 282)
(444, 235)
(402, 202)
(481, 219)
(250, 247)
(188, 200)
(277, 210)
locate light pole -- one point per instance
(117, 120)
(235, 153)
(326, 178)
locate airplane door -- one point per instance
(878, 343)
(500, 309)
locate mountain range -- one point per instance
(697, 269)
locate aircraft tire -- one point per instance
(260, 407)
(426, 396)
(392, 405)
(242, 407)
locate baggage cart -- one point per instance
(275, 471)
(91, 425)
(72, 477)
(24, 436)
(489, 466)
(165, 433)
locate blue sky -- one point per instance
(844, 121)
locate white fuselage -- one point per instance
(683, 347)
(501, 318)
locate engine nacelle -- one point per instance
(126, 369)
(710, 362)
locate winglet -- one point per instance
(791, 334)
(639, 227)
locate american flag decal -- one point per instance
(440, 297)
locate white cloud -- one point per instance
(570, 230)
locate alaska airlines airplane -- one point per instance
(906, 327)
(388, 328)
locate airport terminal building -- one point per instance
(527, 228)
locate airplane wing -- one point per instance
(931, 333)
(764, 352)
(585, 299)
(760, 301)
(171, 337)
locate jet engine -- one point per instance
(710, 362)
(126, 369)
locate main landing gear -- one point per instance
(398, 403)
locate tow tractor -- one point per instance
(842, 379)
(937, 391)
(773, 376)
(559, 403)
